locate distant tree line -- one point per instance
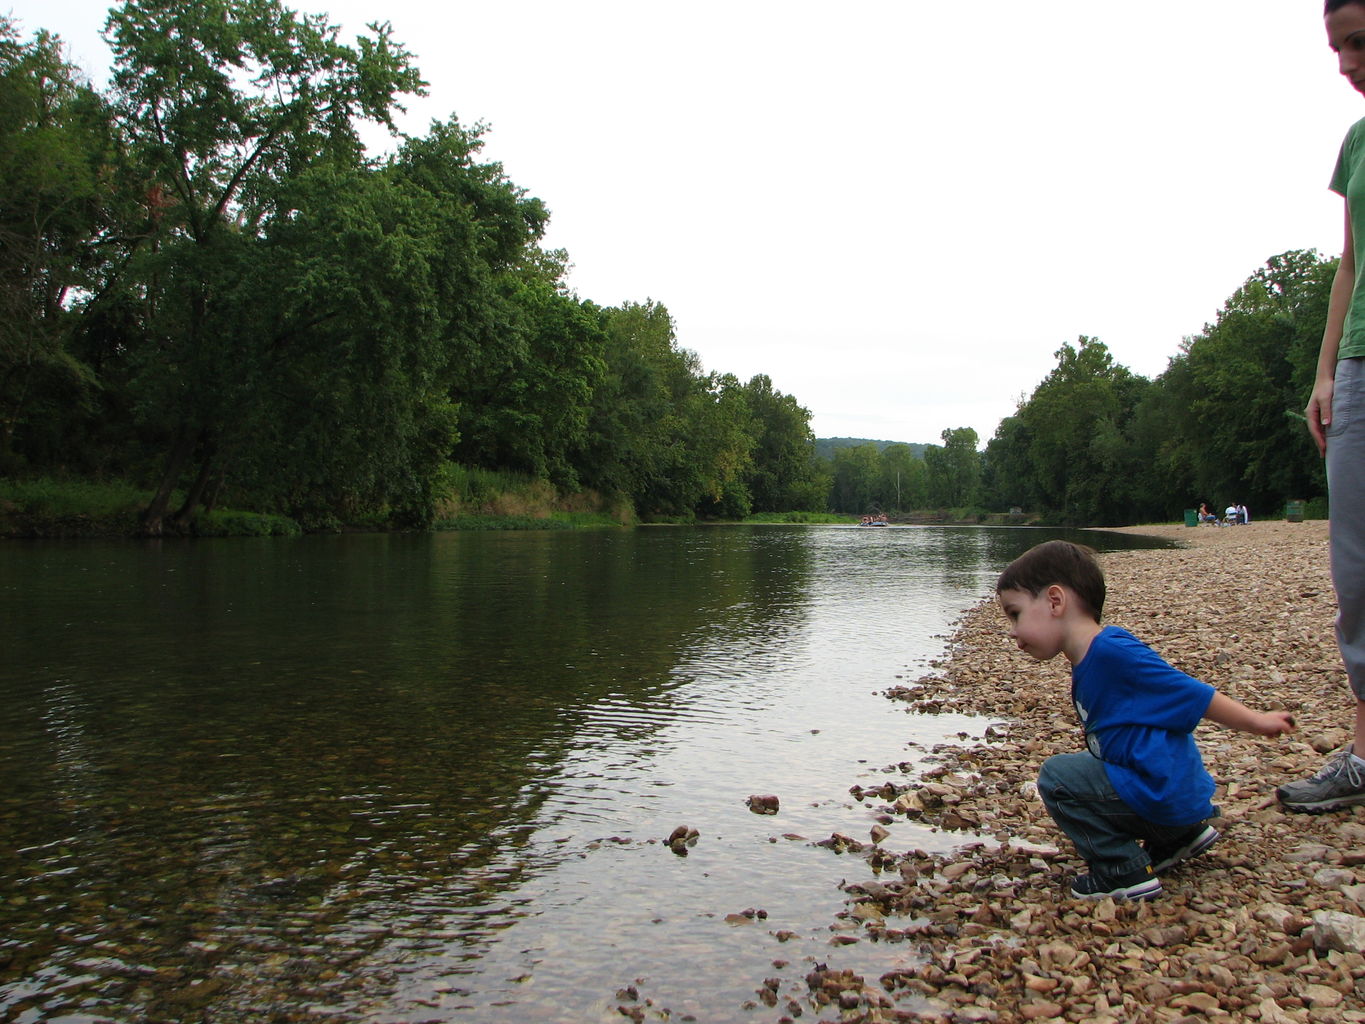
(209, 287)
(1097, 444)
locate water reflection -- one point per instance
(414, 778)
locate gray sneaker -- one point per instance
(1340, 783)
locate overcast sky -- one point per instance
(898, 211)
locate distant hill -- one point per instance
(825, 446)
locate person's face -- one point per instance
(1346, 37)
(1035, 622)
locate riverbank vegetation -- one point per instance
(214, 299)
(1095, 444)
(212, 292)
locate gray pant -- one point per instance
(1346, 491)
(1076, 791)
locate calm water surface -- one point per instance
(426, 778)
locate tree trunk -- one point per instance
(196, 492)
(153, 517)
(211, 498)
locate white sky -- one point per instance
(896, 210)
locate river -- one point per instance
(402, 778)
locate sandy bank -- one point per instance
(989, 934)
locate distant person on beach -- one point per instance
(1205, 516)
(1136, 801)
(1336, 419)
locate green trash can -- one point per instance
(1293, 511)
(1191, 517)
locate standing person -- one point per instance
(1336, 419)
(1136, 800)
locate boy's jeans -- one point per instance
(1077, 793)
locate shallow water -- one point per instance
(426, 778)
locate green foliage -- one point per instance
(555, 521)
(1234, 392)
(796, 517)
(1064, 451)
(56, 150)
(235, 303)
(880, 477)
(55, 497)
(1095, 444)
(227, 523)
(208, 288)
(475, 486)
(954, 470)
(825, 447)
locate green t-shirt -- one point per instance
(1348, 180)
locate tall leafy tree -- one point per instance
(858, 483)
(639, 427)
(721, 442)
(56, 151)
(783, 469)
(954, 470)
(1070, 426)
(1243, 380)
(904, 478)
(224, 104)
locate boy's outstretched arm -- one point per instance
(1236, 715)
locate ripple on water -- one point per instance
(437, 788)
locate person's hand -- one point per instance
(1319, 413)
(1275, 723)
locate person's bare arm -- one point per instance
(1319, 411)
(1236, 715)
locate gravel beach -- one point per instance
(1268, 925)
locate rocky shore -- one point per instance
(1268, 925)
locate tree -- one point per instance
(1245, 378)
(1066, 438)
(640, 429)
(954, 470)
(1006, 474)
(56, 146)
(857, 479)
(903, 478)
(224, 104)
(782, 472)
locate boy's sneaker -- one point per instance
(1137, 885)
(1191, 845)
(1340, 783)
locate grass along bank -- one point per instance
(469, 500)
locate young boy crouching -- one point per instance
(1136, 800)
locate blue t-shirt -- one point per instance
(1139, 715)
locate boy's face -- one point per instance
(1036, 623)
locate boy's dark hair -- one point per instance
(1334, 5)
(1057, 561)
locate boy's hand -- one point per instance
(1236, 715)
(1274, 723)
